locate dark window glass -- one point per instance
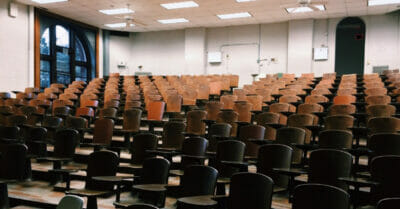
(45, 42)
(79, 51)
(80, 73)
(62, 36)
(63, 67)
(44, 74)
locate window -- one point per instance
(64, 56)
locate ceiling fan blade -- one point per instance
(314, 7)
(289, 5)
(318, 2)
(136, 22)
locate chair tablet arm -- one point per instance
(242, 166)
(360, 151)
(112, 179)
(290, 171)
(261, 141)
(63, 171)
(93, 145)
(361, 182)
(222, 138)
(275, 125)
(109, 117)
(54, 159)
(195, 157)
(305, 147)
(167, 154)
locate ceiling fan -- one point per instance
(130, 21)
(314, 5)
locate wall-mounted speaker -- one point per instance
(13, 9)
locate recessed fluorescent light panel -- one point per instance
(244, 0)
(118, 25)
(117, 11)
(305, 9)
(48, 1)
(170, 21)
(234, 15)
(382, 2)
(180, 5)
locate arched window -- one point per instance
(64, 56)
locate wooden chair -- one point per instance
(303, 197)
(100, 163)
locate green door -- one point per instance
(350, 45)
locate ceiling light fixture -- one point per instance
(170, 21)
(244, 0)
(382, 2)
(180, 5)
(118, 25)
(305, 9)
(48, 1)
(117, 11)
(234, 15)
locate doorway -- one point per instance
(350, 46)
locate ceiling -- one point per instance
(149, 11)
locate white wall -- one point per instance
(158, 52)
(16, 48)
(300, 41)
(289, 43)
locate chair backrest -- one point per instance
(155, 110)
(309, 108)
(344, 99)
(194, 121)
(199, 180)
(265, 118)
(385, 170)
(213, 108)
(155, 171)
(339, 122)
(327, 165)
(243, 108)
(13, 162)
(250, 190)
(329, 197)
(101, 163)
(251, 132)
(76, 123)
(335, 139)
(289, 136)
(229, 150)
(342, 109)
(141, 143)
(193, 146)
(274, 156)
(9, 132)
(380, 110)
(383, 125)
(52, 121)
(66, 141)
(70, 202)
(389, 203)
(109, 112)
(230, 117)
(215, 130)
(132, 119)
(172, 136)
(384, 144)
(103, 131)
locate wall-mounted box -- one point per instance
(214, 57)
(320, 54)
